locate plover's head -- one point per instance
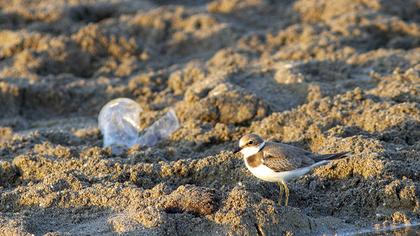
(250, 144)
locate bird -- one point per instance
(278, 162)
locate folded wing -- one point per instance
(283, 157)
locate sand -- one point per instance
(327, 76)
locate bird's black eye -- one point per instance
(251, 142)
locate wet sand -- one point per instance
(327, 76)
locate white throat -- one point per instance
(250, 151)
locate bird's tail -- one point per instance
(324, 157)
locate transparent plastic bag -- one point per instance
(159, 130)
(119, 124)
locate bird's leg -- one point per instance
(286, 191)
(281, 192)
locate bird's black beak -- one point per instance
(238, 149)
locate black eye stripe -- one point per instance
(250, 143)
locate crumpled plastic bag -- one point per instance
(119, 124)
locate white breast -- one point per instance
(263, 172)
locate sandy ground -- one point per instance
(327, 76)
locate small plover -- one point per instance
(278, 162)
